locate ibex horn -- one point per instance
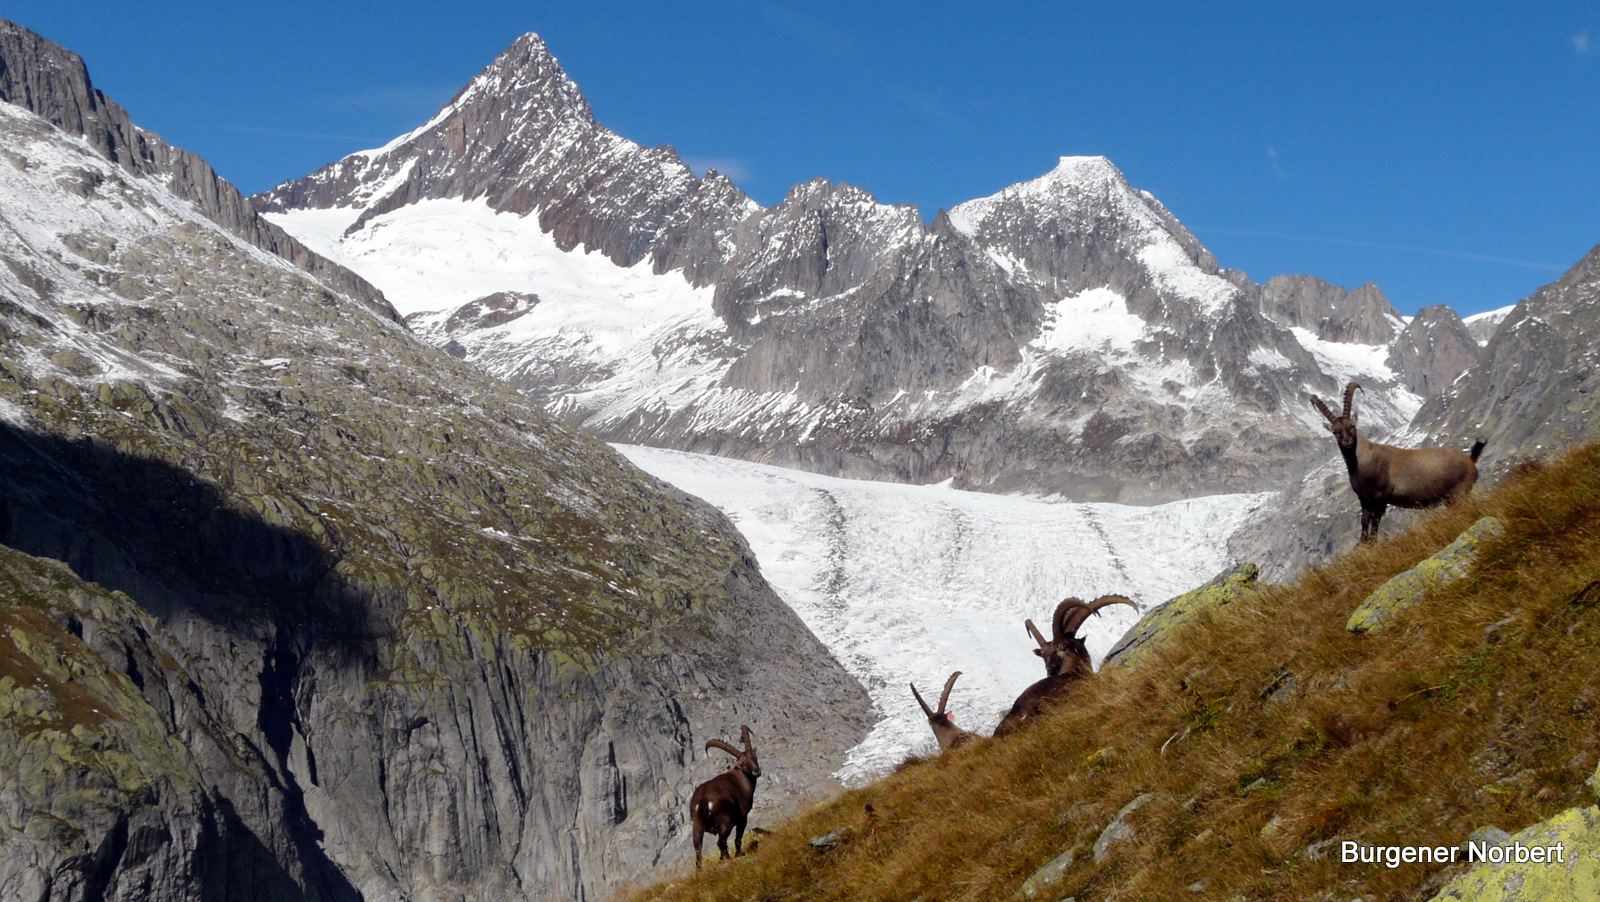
(925, 709)
(719, 744)
(744, 734)
(1034, 632)
(948, 685)
(1058, 621)
(1317, 403)
(1349, 393)
(1076, 618)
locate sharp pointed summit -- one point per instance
(1067, 334)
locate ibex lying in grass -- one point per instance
(944, 729)
(721, 804)
(1066, 659)
(1382, 475)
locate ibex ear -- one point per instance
(1039, 652)
(1328, 426)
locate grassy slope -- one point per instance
(1280, 729)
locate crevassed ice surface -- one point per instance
(908, 583)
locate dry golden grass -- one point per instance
(1265, 729)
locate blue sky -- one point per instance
(1447, 152)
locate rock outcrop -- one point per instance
(1363, 316)
(1434, 349)
(1576, 876)
(1405, 590)
(295, 606)
(1534, 386)
(1221, 589)
(52, 82)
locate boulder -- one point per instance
(1405, 590)
(1220, 590)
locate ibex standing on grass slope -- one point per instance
(1382, 475)
(721, 804)
(1066, 659)
(944, 729)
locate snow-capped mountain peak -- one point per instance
(1070, 312)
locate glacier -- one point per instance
(906, 583)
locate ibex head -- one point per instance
(935, 718)
(744, 761)
(1342, 426)
(1066, 651)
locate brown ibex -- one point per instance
(1382, 475)
(721, 805)
(1066, 659)
(944, 728)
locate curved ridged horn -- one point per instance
(1057, 620)
(925, 709)
(744, 734)
(1079, 614)
(1034, 632)
(1349, 393)
(1317, 403)
(719, 744)
(948, 685)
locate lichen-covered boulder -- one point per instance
(1405, 590)
(1047, 876)
(1121, 828)
(1220, 590)
(1575, 877)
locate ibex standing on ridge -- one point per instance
(1066, 658)
(944, 729)
(721, 804)
(1382, 475)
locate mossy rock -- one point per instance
(1221, 589)
(1577, 877)
(1405, 590)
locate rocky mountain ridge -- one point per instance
(296, 606)
(1067, 335)
(52, 82)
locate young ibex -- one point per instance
(721, 804)
(1066, 659)
(944, 729)
(1382, 475)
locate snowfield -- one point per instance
(907, 583)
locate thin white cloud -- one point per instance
(819, 33)
(1272, 154)
(1405, 248)
(1582, 43)
(733, 168)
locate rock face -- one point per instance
(1434, 349)
(52, 82)
(1066, 335)
(1362, 316)
(294, 606)
(1535, 384)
